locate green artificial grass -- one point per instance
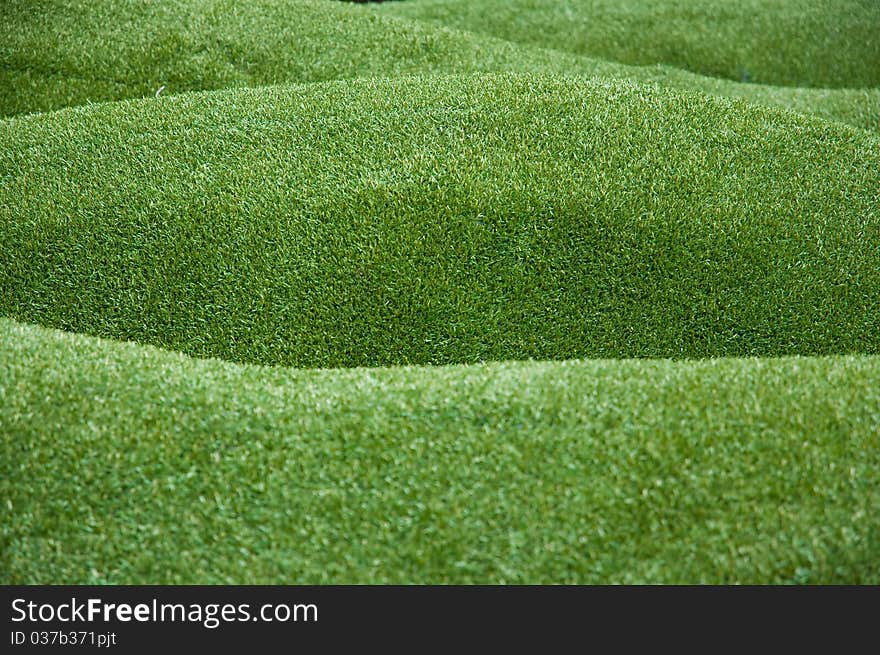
(638, 307)
(806, 43)
(444, 220)
(70, 52)
(125, 464)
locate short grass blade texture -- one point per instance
(309, 291)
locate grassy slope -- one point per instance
(122, 463)
(808, 43)
(444, 220)
(115, 49)
(520, 216)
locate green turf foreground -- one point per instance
(60, 53)
(444, 220)
(126, 464)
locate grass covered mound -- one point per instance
(55, 53)
(444, 220)
(807, 43)
(127, 464)
(69, 52)
(427, 184)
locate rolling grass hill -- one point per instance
(444, 220)
(131, 464)
(116, 49)
(420, 293)
(805, 43)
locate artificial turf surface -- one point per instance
(638, 306)
(446, 220)
(806, 43)
(132, 464)
(114, 49)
